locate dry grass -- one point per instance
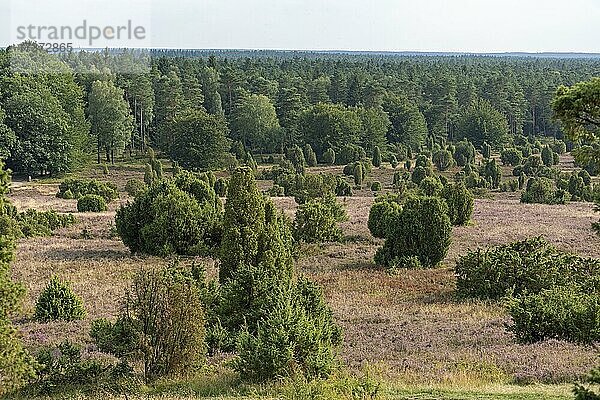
(409, 324)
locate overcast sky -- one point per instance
(382, 25)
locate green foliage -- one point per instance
(561, 312)
(181, 215)
(482, 123)
(276, 191)
(377, 157)
(254, 122)
(409, 125)
(16, 365)
(431, 186)
(492, 173)
(81, 187)
(135, 187)
(375, 186)
(329, 157)
(351, 153)
(443, 160)
(64, 365)
(358, 175)
(296, 157)
(381, 214)
(486, 150)
(460, 203)
(161, 324)
(310, 156)
(419, 174)
(522, 267)
(91, 203)
(543, 191)
(33, 223)
(58, 302)
(221, 187)
(317, 220)
(464, 153)
(421, 229)
(149, 175)
(512, 157)
(199, 140)
(547, 156)
(110, 118)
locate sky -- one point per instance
(375, 25)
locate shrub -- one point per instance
(296, 157)
(350, 153)
(64, 365)
(358, 175)
(342, 187)
(418, 174)
(543, 191)
(58, 302)
(282, 323)
(149, 175)
(561, 312)
(161, 324)
(443, 160)
(33, 223)
(134, 187)
(377, 157)
(464, 153)
(91, 203)
(277, 191)
(492, 173)
(310, 156)
(220, 187)
(329, 157)
(486, 150)
(527, 266)
(407, 165)
(512, 157)
(375, 186)
(559, 147)
(316, 221)
(422, 229)
(298, 336)
(80, 188)
(381, 214)
(547, 157)
(182, 215)
(431, 186)
(460, 203)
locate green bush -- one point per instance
(464, 153)
(317, 220)
(561, 312)
(161, 324)
(182, 215)
(492, 173)
(559, 147)
(58, 302)
(80, 188)
(543, 191)
(282, 323)
(358, 175)
(512, 157)
(486, 150)
(134, 187)
(443, 160)
(418, 174)
(375, 186)
(276, 191)
(298, 336)
(310, 156)
(431, 186)
(64, 365)
(381, 214)
(422, 229)
(91, 203)
(377, 157)
(32, 223)
(329, 157)
(342, 188)
(460, 203)
(528, 266)
(220, 187)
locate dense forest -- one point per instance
(198, 108)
